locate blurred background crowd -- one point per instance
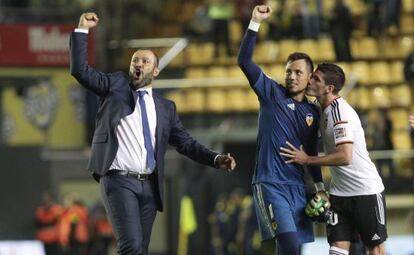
(47, 119)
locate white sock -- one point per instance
(337, 251)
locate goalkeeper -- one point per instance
(357, 191)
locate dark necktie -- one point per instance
(147, 132)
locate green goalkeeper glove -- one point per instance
(317, 208)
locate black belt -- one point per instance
(132, 174)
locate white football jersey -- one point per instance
(341, 124)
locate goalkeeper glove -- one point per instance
(318, 209)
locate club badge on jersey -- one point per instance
(309, 119)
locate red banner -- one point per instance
(37, 45)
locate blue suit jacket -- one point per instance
(116, 101)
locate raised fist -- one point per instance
(261, 12)
(88, 20)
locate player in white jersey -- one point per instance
(357, 192)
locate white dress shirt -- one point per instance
(131, 154)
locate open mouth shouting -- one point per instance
(138, 73)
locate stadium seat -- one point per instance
(408, 6)
(397, 71)
(400, 95)
(277, 72)
(195, 100)
(236, 99)
(401, 140)
(361, 70)
(286, 47)
(200, 53)
(266, 52)
(178, 96)
(326, 46)
(364, 98)
(404, 46)
(195, 73)
(236, 72)
(407, 23)
(367, 47)
(380, 72)
(235, 30)
(311, 47)
(217, 72)
(252, 102)
(216, 100)
(399, 119)
(380, 97)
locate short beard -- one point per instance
(146, 80)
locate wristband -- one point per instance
(254, 26)
(319, 186)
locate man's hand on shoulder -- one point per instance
(261, 12)
(88, 20)
(226, 162)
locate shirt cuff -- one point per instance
(215, 160)
(319, 186)
(254, 26)
(81, 30)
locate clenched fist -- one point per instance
(88, 20)
(261, 12)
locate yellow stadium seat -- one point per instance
(178, 96)
(326, 46)
(357, 7)
(236, 99)
(407, 23)
(217, 72)
(404, 46)
(380, 97)
(286, 47)
(380, 72)
(195, 100)
(407, 6)
(236, 72)
(195, 73)
(311, 48)
(401, 95)
(200, 53)
(364, 98)
(235, 31)
(399, 119)
(401, 140)
(216, 100)
(277, 72)
(397, 71)
(361, 70)
(346, 67)
(252, 102)
(178, 61)
(367, 48)
(266, 52)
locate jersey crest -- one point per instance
(309, 119)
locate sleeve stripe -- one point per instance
(340, 122)
(343, 142)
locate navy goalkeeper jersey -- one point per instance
(282, 119)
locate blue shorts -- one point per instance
(281, 208)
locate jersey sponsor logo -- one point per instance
(375, 237)
(340, 133)
(291, 106)
(309, 119)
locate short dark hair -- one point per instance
(333, 75)
(300, 55)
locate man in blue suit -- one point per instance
(134, 125)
